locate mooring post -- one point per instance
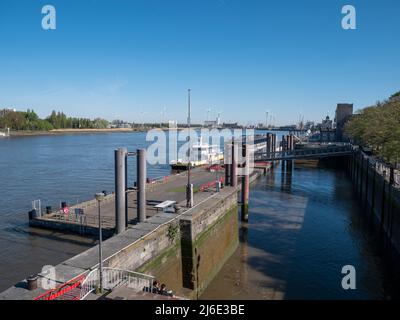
(227, 163)
(120, 191)
(141, 185)
(290, 148)
(234, 165)
(274, 144)
(246, 185)
(269, 140)
(126, 190)
(283, 152)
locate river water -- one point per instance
(302, 230)
(56, 168)
(294, 246)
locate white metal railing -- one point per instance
(81, 219)
(37, 205)
(113, 278)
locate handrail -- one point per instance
(66, 287)
(113, 278)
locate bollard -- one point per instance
(32, 282)
(141, 184)
(218, 186)
(120, 192)
(189, 194)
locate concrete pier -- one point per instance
(186, 239)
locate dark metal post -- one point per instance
(126, 191)
(100, 252)
(100, 198)
(228, 163)
(246, 186)
(189, 187)
(120, 192)
(141, 184)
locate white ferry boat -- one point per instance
(201, 154)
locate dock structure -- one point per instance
(157, 191)
(142, 240)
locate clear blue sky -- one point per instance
(130, 59)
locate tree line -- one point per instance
(378, 127)
(29, 120)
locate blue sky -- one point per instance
(131, 59)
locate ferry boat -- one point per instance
(201, 154)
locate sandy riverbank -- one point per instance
(24, 133)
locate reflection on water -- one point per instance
(303, 228)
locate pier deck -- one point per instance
(173, 188)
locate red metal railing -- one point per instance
(210, 184)
(62, 290)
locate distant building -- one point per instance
(210, 123)
(326, 124)
(213, 123)
(309, 125)
(292, 127)
(230, 125)
(344, 112)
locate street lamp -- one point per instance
(189, 187)
(100, 197)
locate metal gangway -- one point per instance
(323, 151)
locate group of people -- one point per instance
(161, 289)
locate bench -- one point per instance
(167, 206)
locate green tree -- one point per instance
(378, 127)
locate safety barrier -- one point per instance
(113, 278)
(210, 184)
(63, 290)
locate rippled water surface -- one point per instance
(68, 168)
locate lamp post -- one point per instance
(189, 188)
(100, 197)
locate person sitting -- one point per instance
(164, 291)
(156, 286)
